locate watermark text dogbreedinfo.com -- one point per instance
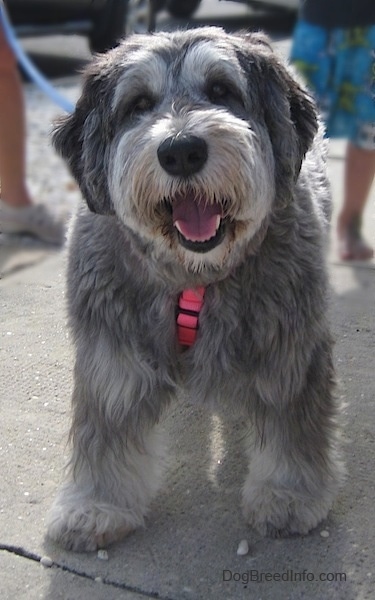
(255, 576)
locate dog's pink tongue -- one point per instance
(195, 218)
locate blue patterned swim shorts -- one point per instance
(339, 67)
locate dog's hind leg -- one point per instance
(114, 471)
(295, 469)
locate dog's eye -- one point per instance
(141, 104)
(218, 92)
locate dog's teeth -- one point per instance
(193, 239)
(178, 226)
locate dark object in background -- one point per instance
(101, 20)
(105, 22)
(182, 8)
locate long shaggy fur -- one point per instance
(263, 344)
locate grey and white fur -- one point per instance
(215, 121)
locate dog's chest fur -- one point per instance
(249, 321)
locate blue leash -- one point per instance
(29, 67)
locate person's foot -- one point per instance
(352, 246)
(35, 220)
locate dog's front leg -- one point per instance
(295, 469)
(115, 467)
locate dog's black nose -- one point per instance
(182, 155)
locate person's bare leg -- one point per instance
(359, 175)
(18, 213)
(12, 131)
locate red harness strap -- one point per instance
(190, 303)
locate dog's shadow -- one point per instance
(207, 465)
(199, 504)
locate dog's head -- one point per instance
(191, 139)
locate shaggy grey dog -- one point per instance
(201, 161)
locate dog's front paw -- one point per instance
(280, 513)
(84, 527)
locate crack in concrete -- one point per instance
(23, 553)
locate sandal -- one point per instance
(35, 220)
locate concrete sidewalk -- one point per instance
(188, 549)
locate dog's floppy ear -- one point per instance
(289, 110)
(82, 139)
(292, 112)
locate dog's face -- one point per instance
(191, 139)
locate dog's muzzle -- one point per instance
(199, 223)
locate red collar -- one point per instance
(190, 304)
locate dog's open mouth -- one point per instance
(200, 224)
